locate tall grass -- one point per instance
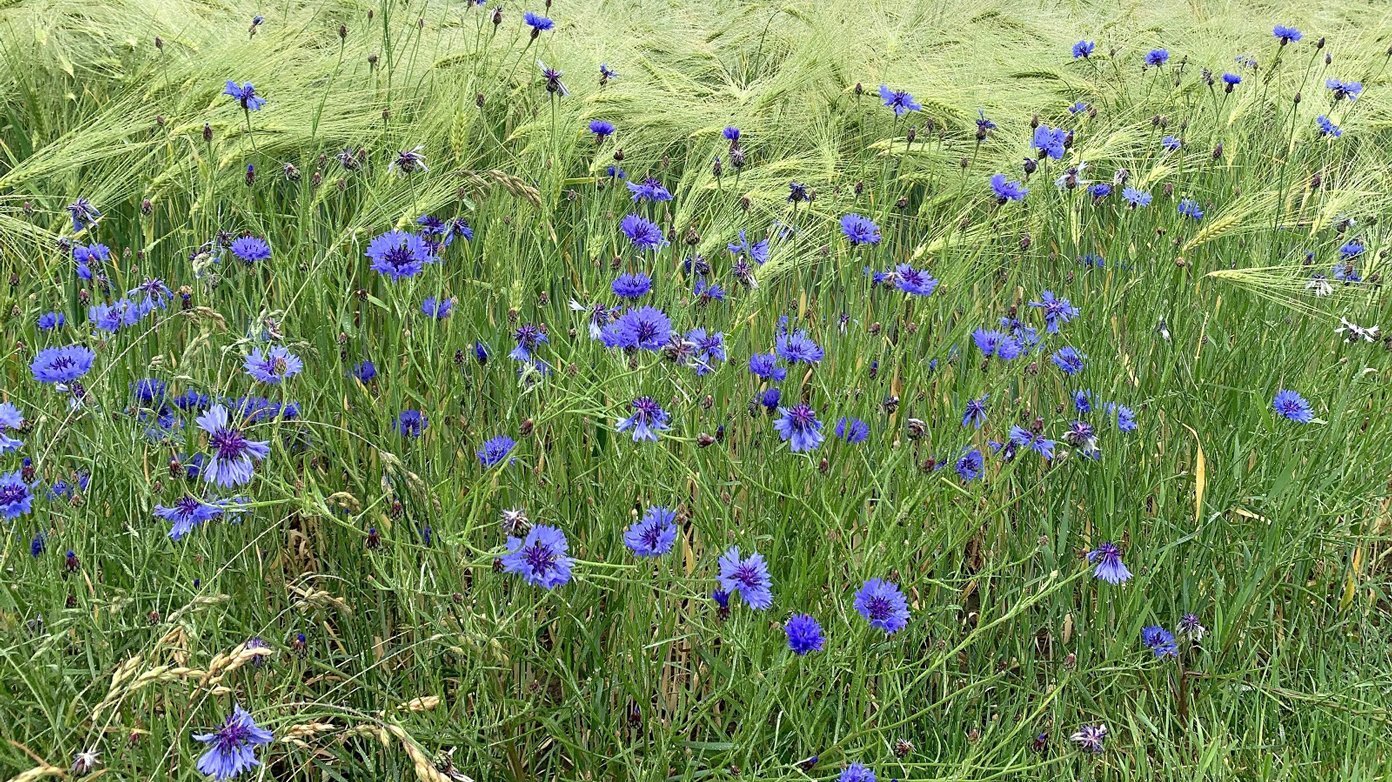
(420, 659)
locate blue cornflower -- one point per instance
(765, 365)
(1136, 198)
(1190, 627)
(51, 320)
(1285, 34)
(632, 286)
(37, 545)
(154, 292)
(998, 344)
(251, 249)
(860, 230)
(1007, 190)
(770, 398)
(975, 413)
(644, 328)
(1171, 143)
(1160, 641)
(709, 350)
(412, 423)
(495, 450)
(797, 348)
(606, 74)
(149, 392)
(1125, 416)
(882, 605)
(706, 292)
(1083, 49)
(244, 94)
(541, 559)
(62, 365)
(757, 252)
(398, 254)
(232, 747)
(1099, 191)
(83, 214)
(187, 513)
(899, 100)
(527, 337)
(1090, 738)
(1082, 401)
(233, 456)
(643, 234)
(1189, 208)
(1023, 438)
(971, 466)
(438, 309)
(537, 22)
(983, 125)
(596, 316)
(602, 128)
(1048, 142)
(804, 634)
(439, 234)
(1082, 436)
(1344, 89)
(191, 400)
(1351, 249)
(1109, 567)
(649, 190)
(1231, 80)
(1345, 272)
(856, 772)
(1078, 107)
(87, 255)
(365, 371)
(10, 416)
(731, 133)
(112, 317)
(16, 496)
(647, 420)
(852, 430)
(1292, 406)
(654, 534)
(748, 577)
(798, 426)
(1057, 311)
(274, 366)
(917, 282)
(1327, 127)
(1157, 57)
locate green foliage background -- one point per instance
(1274, 534)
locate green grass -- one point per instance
(1274, 534)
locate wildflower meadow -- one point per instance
(960, 390)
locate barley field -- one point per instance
(733, 390)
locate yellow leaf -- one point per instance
(1200, 474)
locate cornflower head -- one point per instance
(798, 426)
(1109, 567)
(899, 101)
(882, 605)
(542, 558)
(232, 747)
(648, 418)
(747, 577)
(653, 535)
